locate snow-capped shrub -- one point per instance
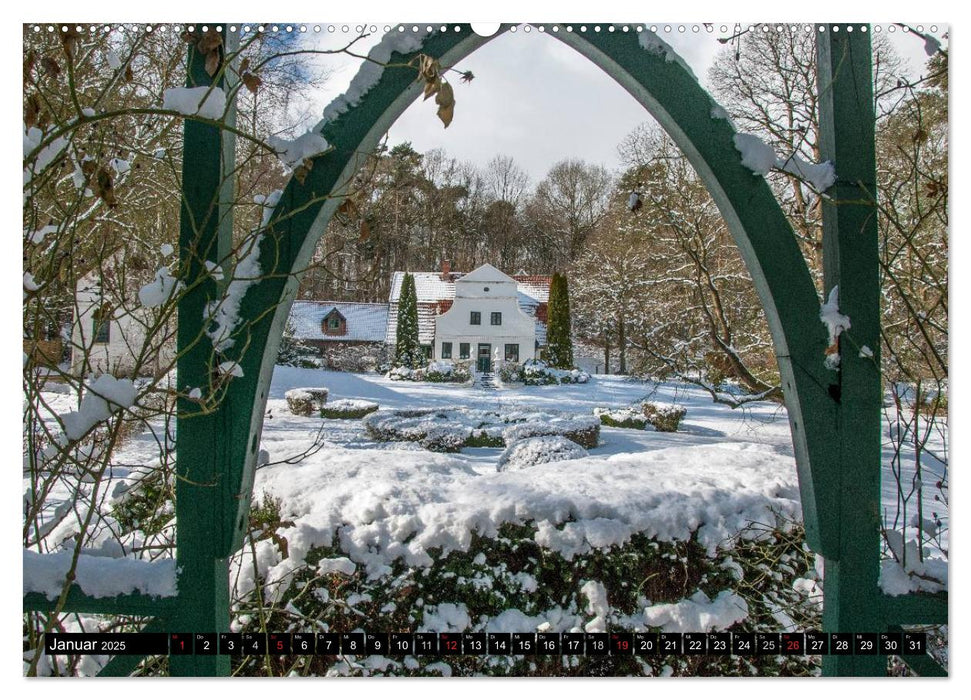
(621, 418)
(450, 437)
(406, 374)
(664, 417)
(348, 408)
(438, 371)
(539, 450)
(306, 401)
(510, 372)
(441, 429)
(538, 373)
(584, 431)
(510, 580)
(445, 371)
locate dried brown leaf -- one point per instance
(445, 113)
(31, 111)
(129, 75)
(252, 82)
(209, 41)
(428, 67)
(349, 208)
(103, 186)
(445, 97)
(301, 172)
(70, 40)
(244, 65)
(365, 231)
(50, 66)
(212, 62)
(29, 60)
(431, 88)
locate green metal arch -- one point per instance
(659, 81)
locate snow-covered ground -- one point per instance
(722, 470)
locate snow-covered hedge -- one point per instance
(583, 430)
(510, 581)
(621, 418)
(306, 401)
(539, 450)
(448, 430)
(439, 371)
(665, 417)
(348, 408)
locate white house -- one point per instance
(111, 333)
(485, 322)
(512, 297)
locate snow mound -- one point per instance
(104, 396)
(205, 101)
(699, 613)
(293, 153)
(100, 577)
(760, 158)
(373, 68)
(421, 503)
(539, 450)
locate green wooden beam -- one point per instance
(924, 665)
(851, 262)
(204, 509)
(79, 602)
(915, 609)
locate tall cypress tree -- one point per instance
(559, 346)
(407, 350)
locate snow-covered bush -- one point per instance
(510, 372)
(538, 373)
(539, 450)
(307, 401)
(664, 417)
(445, 371)
(353, 357)
(448, 430)
(348, 408)
(621, 418)
(510, 581)
(583, 430)
(436, 371)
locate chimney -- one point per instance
(446, 270)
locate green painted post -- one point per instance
(201, 453)
(851, 262)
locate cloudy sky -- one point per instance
(534, 98)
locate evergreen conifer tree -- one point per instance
(408, 352)
(559, 346)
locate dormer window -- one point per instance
(334, 323)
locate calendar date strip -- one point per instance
(491, 643)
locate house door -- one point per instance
(484, 363)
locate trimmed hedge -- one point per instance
(345, 409)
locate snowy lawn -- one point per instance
(356, 533)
